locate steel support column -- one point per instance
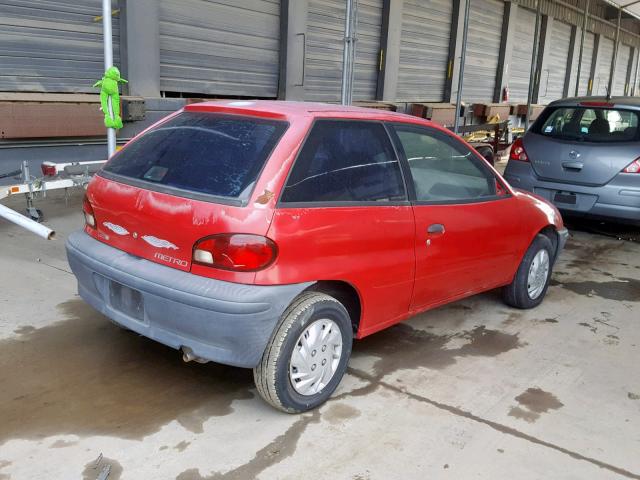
(463, 54)
(534, 64)
(616, 46)
(585, 19)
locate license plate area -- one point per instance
(126, 300)
(565, 197)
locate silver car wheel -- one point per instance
(538, 273)
(315, 357)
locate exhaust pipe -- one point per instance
(31, 225)
(189, 356)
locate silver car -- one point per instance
(583, 154)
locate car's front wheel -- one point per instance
(529, 286)
(307, 355)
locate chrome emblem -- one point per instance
(159, 242)
(574, 155)
(117, 229)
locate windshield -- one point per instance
(205, 153)
(586, 124)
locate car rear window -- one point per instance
(203, 153)
(589, 124)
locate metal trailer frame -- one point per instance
(76, 174)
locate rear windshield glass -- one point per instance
(205, 153)
(587, 124)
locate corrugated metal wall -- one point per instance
(601, 80)
(325, 44)
(221, 47)
(587, 58)
(622, 67)
(52, 45)
(424, 49)
(483, 49)
(367, 49)
(553, 78)
(520, 68)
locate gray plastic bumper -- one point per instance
(220, 321)
(563, 236)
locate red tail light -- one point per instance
(517, 151)
(633, 167)
(49, 169)
(235, 251)
(89, 216)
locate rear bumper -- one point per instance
(220, 321)
(619, 199)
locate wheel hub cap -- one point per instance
(315, 357)
(538, 273)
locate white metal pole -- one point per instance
(31, 225)
(467, 7)
(346, 54)
(108, 63)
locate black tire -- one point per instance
(516, 294)
(271, 376)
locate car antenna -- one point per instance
(608, 94)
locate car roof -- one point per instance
(633, 102)
(290, 110)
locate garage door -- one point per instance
(553, 77)
(424, 50)
(585, 68)
(601, 80)
(226, 47)
(622, 67)
(483, 48)
(52, 46)
(325, 45)
(521, 59)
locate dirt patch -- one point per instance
(404, 347)
(182, 446)
(338, 413)
(522, 414)
(532, 403)
(623, 289)
(62, 444)
(24, 330)
(85, 376)
(280, 448)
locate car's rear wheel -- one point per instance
(529, 286)
(307, 355)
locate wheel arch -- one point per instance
(346, 294)
(551, 232)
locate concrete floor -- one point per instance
(471, 390)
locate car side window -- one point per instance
(346, 161)
(444, 169)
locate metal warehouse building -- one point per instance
(406, 51)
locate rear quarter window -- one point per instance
(589, 124)
(200, 153)
(345, 161)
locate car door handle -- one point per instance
(435, 228)
(572, 165)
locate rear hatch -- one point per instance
(587, 144)
(185, 179)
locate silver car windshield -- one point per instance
(589, 124)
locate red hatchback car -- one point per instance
(268, 235)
